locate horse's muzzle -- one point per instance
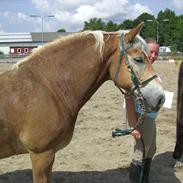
(160, 101)
(154, 97)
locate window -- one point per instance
(12, 50)
(26, 50)
(18, 50)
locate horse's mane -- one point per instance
(67, 41)
(64, 42)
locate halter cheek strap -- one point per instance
(136, 82)
(121, 54)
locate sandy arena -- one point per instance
(93, 156)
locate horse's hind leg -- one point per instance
(42, 166)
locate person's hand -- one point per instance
(136, 134)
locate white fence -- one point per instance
(10, 58)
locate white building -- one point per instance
(164, 49)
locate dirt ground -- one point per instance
(93, 156)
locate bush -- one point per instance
(1, 52)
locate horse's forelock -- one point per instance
(141, 43)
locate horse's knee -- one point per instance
(42, 166)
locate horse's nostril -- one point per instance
(161, 101)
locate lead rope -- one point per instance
(140, 121)
(122, 132)
(141, 178)
(139, 98)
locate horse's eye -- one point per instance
(138, 59)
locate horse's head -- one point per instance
(131, 70)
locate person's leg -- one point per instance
(150, 154)
(139, 169)
(135, 174)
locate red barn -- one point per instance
(23, 43)
(21, 50)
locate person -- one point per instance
(145, 135)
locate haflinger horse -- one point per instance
(42, 95)
(178, 151)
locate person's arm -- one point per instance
(132, 118)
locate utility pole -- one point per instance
(42, 24)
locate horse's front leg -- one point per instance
(42, 166)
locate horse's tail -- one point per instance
(179, 131)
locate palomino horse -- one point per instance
(41, 97)
(179, 132)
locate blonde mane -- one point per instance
(62, 42)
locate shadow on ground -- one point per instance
(162, 171)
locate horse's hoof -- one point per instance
(178, 165)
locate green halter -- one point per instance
(137, 85)
(136, 82)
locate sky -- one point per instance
(71, 14)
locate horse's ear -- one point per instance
(129, 37)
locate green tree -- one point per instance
(166, 27)
(149, 29)
(110, 26)
(178, 34)
(94, 24)
(126, 24)
(61, 30)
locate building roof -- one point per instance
(31, 39)
(15, 37)
(47, 36)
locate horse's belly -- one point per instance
(10, 146)
(49, 135)
(64, 138)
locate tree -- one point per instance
(169, 33)
(94, 24)
(149, 29)
(61, 30)
(166, 29)
(110, 26)
(179, 33)
(127, 24)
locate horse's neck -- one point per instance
(75, 73)
(80, 76)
